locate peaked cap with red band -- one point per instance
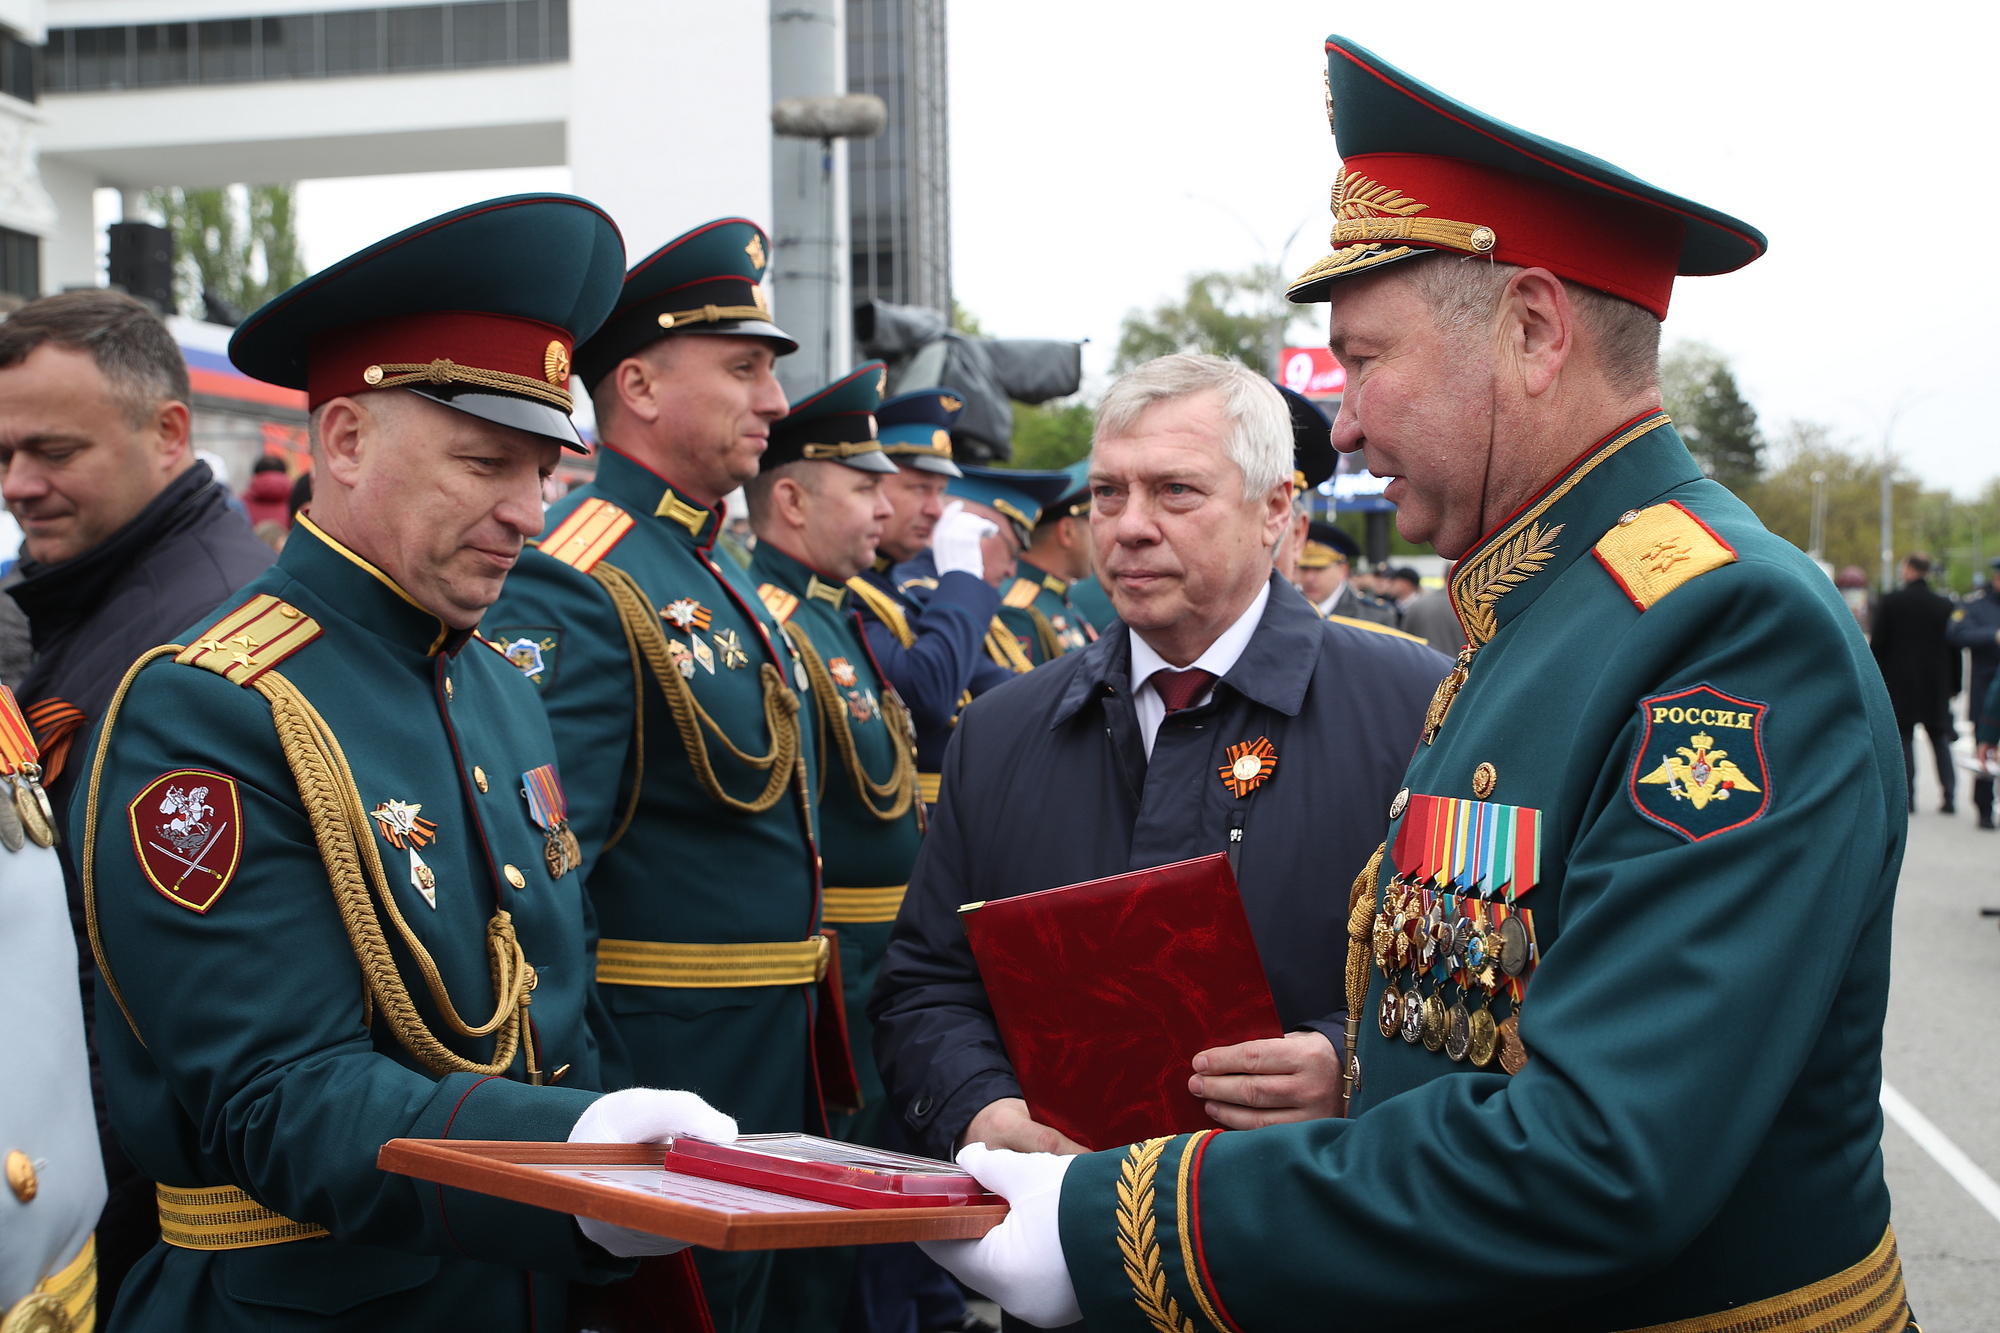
(478, 309)
(709, 280)
(1422, 172)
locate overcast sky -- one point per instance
(1104, 149)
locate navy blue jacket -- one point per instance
(1973, 626)
(1046, 783)
(949, 656)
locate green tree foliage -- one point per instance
(238, 245)
(1699, 390)
(1234, 315)
(1052, 435)
(1853, 482)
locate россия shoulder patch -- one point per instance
(187, 831)
(1700, 767)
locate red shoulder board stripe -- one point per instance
(587, 535)
(187, 831)
(252, 639)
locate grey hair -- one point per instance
(1260, 425)
(1463, 291)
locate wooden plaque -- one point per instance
(624, 1183)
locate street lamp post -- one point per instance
(1818, 538)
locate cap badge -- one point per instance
(950, 404)
(1250, 764)
(757, 295)
(755, 249)
(555, 363)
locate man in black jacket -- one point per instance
(127, 540)
(1921, 670)
(1121, 756)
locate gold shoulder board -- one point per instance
(252, 639)
(1655, 550)
(587, 535)
(1374, 628)
(777, 601)
(1021, 594)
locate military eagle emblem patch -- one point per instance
(187, 831)
(531, 649)
(1700, 768)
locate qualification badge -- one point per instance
(731, 647)
(548, 806)
(404, 831)
(1250, 764)
(187, 831)
(1700, 766)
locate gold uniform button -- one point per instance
(1628, 518)
(514, 877)
(447, 687)
(479, 777)
(1484, 779)
(21, 1176)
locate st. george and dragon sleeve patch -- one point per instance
(187, 831)
(1700, 768)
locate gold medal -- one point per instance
(31, 804)
(1434, 1021)
(1513, 1053)
(1485, 1037)
(1389, 1015)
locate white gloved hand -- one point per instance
(1019, 1263)
(955, 541)
(645, 1115)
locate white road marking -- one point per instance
(1943, 1151)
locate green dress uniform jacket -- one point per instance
(859, 723)
(246, 1049)
(1696, 1126)
(1036, 607)
(706, 896)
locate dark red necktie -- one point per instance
(1179, 689)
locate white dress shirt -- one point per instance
(1221, 656)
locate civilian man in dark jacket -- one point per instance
(1111, 757)
(1976, 626)
(1921, 671)
(128, 539)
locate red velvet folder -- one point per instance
(1104, 991)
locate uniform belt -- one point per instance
(63, 1302)
(1867, 1298)
(712, 966)
(854, 907)
(222, 1217)
(927, 786)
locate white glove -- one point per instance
(645, 1115)
(1019, 1263)
(955, 541)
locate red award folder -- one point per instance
(1104, 991)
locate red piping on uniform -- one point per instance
(442, 1216)
(1193, 1223)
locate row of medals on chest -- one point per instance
(1428, 940)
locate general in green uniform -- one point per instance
(1618, 977)
(1036, 606)
(325, 858)
(675, 704)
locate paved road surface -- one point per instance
(1941, 1050)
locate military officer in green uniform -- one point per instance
(675, 704)
(1036, 606)
(1618, 975)
(818, 510)
(326, 856)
